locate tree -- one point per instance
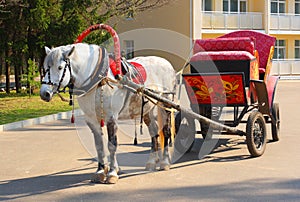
(31, 75)
(26, 26)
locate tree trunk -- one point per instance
(17, 77)
(7, 73)
(7, 58)
(1, 63)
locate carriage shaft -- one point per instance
(188, 112)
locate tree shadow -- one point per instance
(20, 188)
(263, 189)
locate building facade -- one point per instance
(173, 28)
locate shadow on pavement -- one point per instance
(20, 188)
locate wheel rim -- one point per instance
(258, 134)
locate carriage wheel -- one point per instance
(256, 137)
(185, 133)
(276, 126)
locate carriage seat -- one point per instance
(225, 55)
(222, 55)
(234, 48)
(264, 44)
(225, 44)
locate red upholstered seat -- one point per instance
(222, 55)
(226, 55)
(225, 44)
(263, 44)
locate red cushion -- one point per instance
(222, 55)
(263, 43)
(225, 44)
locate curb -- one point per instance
(39, 120)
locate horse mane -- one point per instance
(57, 52)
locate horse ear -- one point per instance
(68, 53)
(47, 50)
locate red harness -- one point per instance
(138, 67)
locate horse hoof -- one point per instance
(112, 177)
(150, 167)
(165, 165)
(99, 177)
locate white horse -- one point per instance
(81, 64)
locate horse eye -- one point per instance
(60, 68)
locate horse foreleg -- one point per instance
(100, 174)
(153, 157)
(112, 176)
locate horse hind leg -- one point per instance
(165, 162)
(112, 176)
(153, 157)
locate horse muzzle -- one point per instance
(46, 92)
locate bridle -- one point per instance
(70, 83)
(101, 69)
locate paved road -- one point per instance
(50, 162)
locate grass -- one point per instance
(17, 107)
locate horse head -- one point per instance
(57, 70)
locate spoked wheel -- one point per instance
(256, 136)
(185, 133)
(275, 126)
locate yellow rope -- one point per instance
(159, 120)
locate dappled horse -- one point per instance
(105, 101)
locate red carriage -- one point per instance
(232, 73)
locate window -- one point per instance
(279, 52)
(207, 5)
(129, 49)
(277, 6)
(243, 6)
(235, 6)
(297, 6)
(297, 49)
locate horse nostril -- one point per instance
(47, 95)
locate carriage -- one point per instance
(229, 73)
(232, 74)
